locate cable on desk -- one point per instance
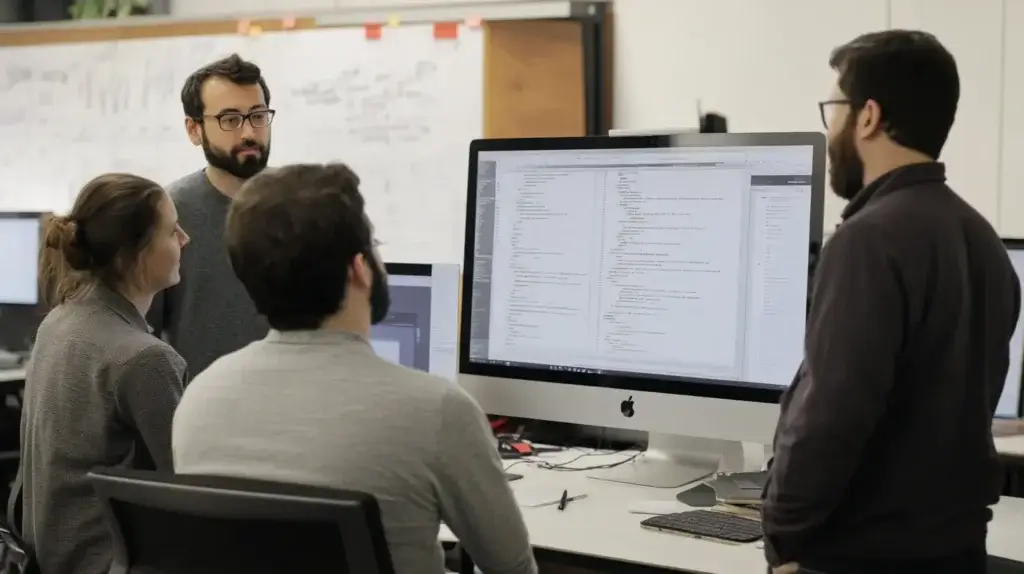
(564, 466)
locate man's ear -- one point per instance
(360, 272)
(195, 131)
(869, 120)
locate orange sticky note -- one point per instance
(474, 22)
(288, 22)
(446, 30)
(255, 30)
(373, 31)
(243, 26)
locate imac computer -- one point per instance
(654, 283)
(19, 258)
(421, 329)
(1009, 406)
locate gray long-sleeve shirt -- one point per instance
(100, 392)
(209, 313)
(321, 409)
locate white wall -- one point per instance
(1011, 212)
(973, 32)
(764, 64)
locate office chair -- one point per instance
(177, 524)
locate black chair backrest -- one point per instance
(195, 524)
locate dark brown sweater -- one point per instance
(884, 448)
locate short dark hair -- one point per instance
(911, 76)
(111, 223)
(292, 234)
(232, 68)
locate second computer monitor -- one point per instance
(421, 328)
(19, 256)
(668, 265)
(1009, 401)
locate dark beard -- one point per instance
(230, 163)
(846, 168)
(380, 297)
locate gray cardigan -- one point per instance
(100, 392)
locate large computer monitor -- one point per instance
(655, 283)
(19, 258)
(421, 329)
(1009, 401)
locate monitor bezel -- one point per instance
(1016, 244)
(413, 269)
(39, 216)
(689, 386)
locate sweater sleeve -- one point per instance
(148, 392)
(476, 500)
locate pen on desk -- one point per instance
(566, 499)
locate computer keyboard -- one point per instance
(708, 524)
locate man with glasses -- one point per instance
(227, 113)
(883, 457)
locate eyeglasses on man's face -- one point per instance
(233, 121)
(825, 107)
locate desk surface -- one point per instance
(1010, 445)
(601, 525)
(10, 375)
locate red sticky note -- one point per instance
(374, 31)
(446, 30)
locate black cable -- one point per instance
(564, 466)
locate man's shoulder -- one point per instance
(188, 189)
(422, 382)
(229, 367)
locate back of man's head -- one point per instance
(293, 234)
(911, 76)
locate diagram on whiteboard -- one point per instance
(400, 111)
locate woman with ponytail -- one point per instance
(100, 389)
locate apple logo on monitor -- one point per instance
(627, 408)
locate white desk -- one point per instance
(602, 527)
(1010, 445)
(12, 375)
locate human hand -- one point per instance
(789, 568)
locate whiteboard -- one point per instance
(400, 111)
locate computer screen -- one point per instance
(19, 258)
(421, 329)
(681, 259)
(1009, 401)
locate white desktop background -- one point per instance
(19, 267)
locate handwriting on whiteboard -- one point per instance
(401, 112)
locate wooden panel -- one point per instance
(64, 34)
(533, 79)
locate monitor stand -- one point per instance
(674, 461)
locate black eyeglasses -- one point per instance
(822, 106)
(233, 121)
